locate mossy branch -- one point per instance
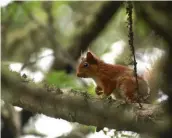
(76, 106)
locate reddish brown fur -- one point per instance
(116, 79)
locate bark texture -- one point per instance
(80, 107)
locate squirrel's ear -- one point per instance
(91, 58)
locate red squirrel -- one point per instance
(112, 79)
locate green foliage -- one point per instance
(91, 89)
(61, 79)
(141, 28)
(55, 7)
(35, 9)
(90, 128)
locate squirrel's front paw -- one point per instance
(98, 91)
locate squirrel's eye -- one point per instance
(85, 64)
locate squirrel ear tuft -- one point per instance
(89, 54)
(91, 58)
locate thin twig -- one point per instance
(129, 9)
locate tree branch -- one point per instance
(80, 107)
(101, 20)
(90, 33)
(154, 24)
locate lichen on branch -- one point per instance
(77, 106)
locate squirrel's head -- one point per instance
(88, 66)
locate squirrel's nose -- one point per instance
(78, 74)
